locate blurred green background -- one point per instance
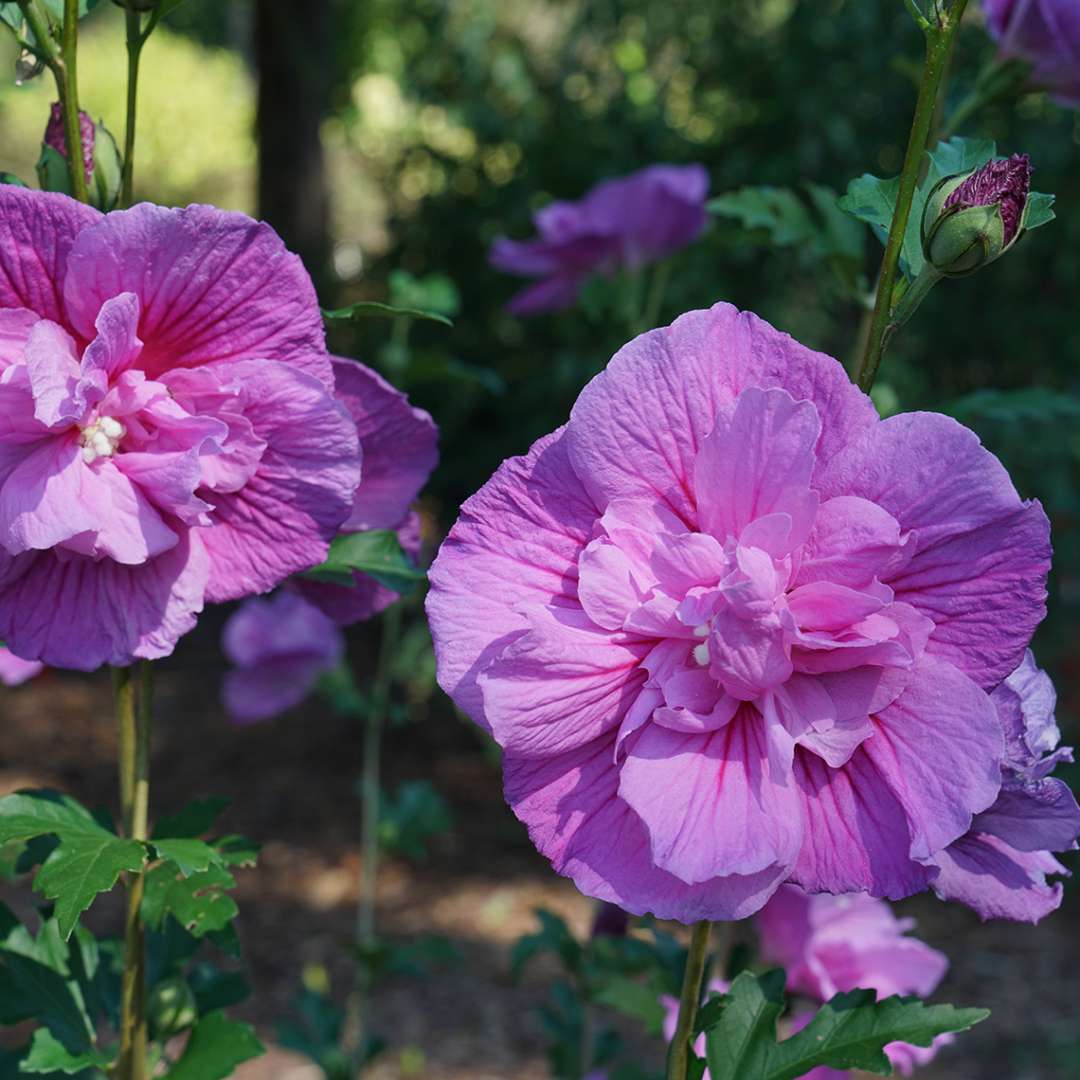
(390, 141)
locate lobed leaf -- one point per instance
(216, 1047)
(48, 1055)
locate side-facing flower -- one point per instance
(280, 646)
(14, 671)
(831, 944)
(169, 432)
(400, 444)
(731, 629)
(1045, 33)
(999, 867)
(624, 223)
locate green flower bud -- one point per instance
(171, 1007)
(973, 218)
(108, 168)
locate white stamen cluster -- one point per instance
(701, 652)
(101, 438)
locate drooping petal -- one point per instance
(686, 373)
(981, 555)
(213, 285)
(997, 881)
(14, 671)
(708, 802)
(283, 519)
(399, 443)
(1039, 815)
(37, 231)
(575, 817)
(516, 541)
(74, 612)
(561, 684)
(938, 746)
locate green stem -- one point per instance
(679, 1053)
(67, 86)
(133, 730)
(657, 288)
(939, 41)
(366, 931)
(136, 39)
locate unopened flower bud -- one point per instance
(975, 217)
(171, 1008)
(54, 137)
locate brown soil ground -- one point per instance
(292, 782)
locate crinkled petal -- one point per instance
(79, 613)
(575, 817)
(37, 231)
(686, 374)
(938, 746)
(516, 541)
(1040, 815)
(213, 285)
(561, 684)
(15, 327)
(981, 556)
(283, 519)
(52, 363)
(708, 801)
(399, 443)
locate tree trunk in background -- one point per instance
(294, 60)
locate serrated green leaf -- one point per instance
(1040, 210)
(30, 989)
(191, 856)
(377, 553)
(48, 1055)
(850, 1032)
(370, 309)
(88, 859)
(636, 999)
(193, 820)
(779, 211)
(216, 1047)
(237, 851)
(199, 902)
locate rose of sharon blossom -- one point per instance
(15, 671)
(999, 867)
(629, 222)
(731, 629)
(55, 138)
(168, 428)
(831, 944)
(400, 448)
(1045, 33)
(280, 646)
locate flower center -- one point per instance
(101, 438)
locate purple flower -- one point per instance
(731, 629)
(15, 671)
(1045, 33)
(999, 867)
(170, 431)
(629, 222)
(280, 647)
(54, 137)
(831, 944)
(400, 448)
(1001, 182)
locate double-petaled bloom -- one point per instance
(731, 629)
(169, 432)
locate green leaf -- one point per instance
(29, 989)
(636, 999)
(48, 1055)
(216, 1047)
(1040, 210)
(14, 181)
(850, 1032)
(88, 859)
(193, 820)
(370, 309)
(410, 817)
(191, 856)
(377, 553)
(779, 211)
(553, 936)
(199, 902)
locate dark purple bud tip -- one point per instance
(1004, 181)
(54, 137)
(610, 921)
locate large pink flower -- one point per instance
(732, 629)
(168, 430)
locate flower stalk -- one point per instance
(679, 1053)
(940, 35)
(133, 730)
